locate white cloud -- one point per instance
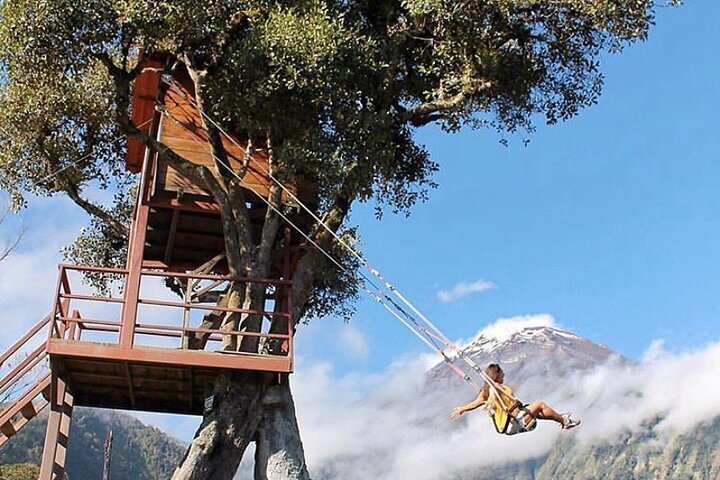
(354, 343)
(27, 285)
(679, 388)
(464, 290)
(400, 430)
(504, 327)
(655, 351)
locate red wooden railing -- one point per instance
(177, 315)
(25, 387)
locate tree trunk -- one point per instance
(231, 321)
(279, 454)
(226, 430)
(247, 407)
(254, 300)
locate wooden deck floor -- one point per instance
(148, 378)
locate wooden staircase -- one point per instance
(26, 385)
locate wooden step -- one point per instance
(8, 429)
(28, 411)
(9, 413)
(17, 426)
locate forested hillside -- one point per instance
(140, 452)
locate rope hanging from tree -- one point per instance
(421, 326)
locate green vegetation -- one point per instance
(638, 455)
(19, 471)
(140, 452)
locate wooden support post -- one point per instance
(134, 262)
(287, 290)
(58, 431)
(186, 313)
(132, 285)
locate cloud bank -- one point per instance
(464, 290)
(392, 426)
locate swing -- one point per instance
(503, 420)
(380, 289)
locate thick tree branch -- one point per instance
(72, 191)
(436, 110)
(304, 275)
(422, 114)
(271, 225)
(242, 226)
(217, 148)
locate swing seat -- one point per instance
(506, 424)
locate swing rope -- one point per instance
(429, 337)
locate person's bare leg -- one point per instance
(543, 411)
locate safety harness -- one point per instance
(509, 415)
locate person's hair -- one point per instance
(492, 371)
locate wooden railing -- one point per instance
(23, 384)
(169, 321)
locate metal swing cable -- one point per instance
(348, 247)
(381, 297)
(375, 296)
(428, 338)
(429, 341)
(438, 333)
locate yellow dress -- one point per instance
(499, 405)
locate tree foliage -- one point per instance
(336, 89)
(335, 82)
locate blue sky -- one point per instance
(608, 222)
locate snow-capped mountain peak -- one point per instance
(542, 334)
(531, 352)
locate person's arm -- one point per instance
(478, 402)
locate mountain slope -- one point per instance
(402, 430)
(538, 359)
(140, 452)
(640, 455)
(533, 351)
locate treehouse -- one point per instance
(142, 345)
(183, 224)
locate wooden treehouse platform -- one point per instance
(150, 347)
(167, 358)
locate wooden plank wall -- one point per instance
(183, 133)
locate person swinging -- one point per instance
(509, 416)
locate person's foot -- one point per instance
(568, 422)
